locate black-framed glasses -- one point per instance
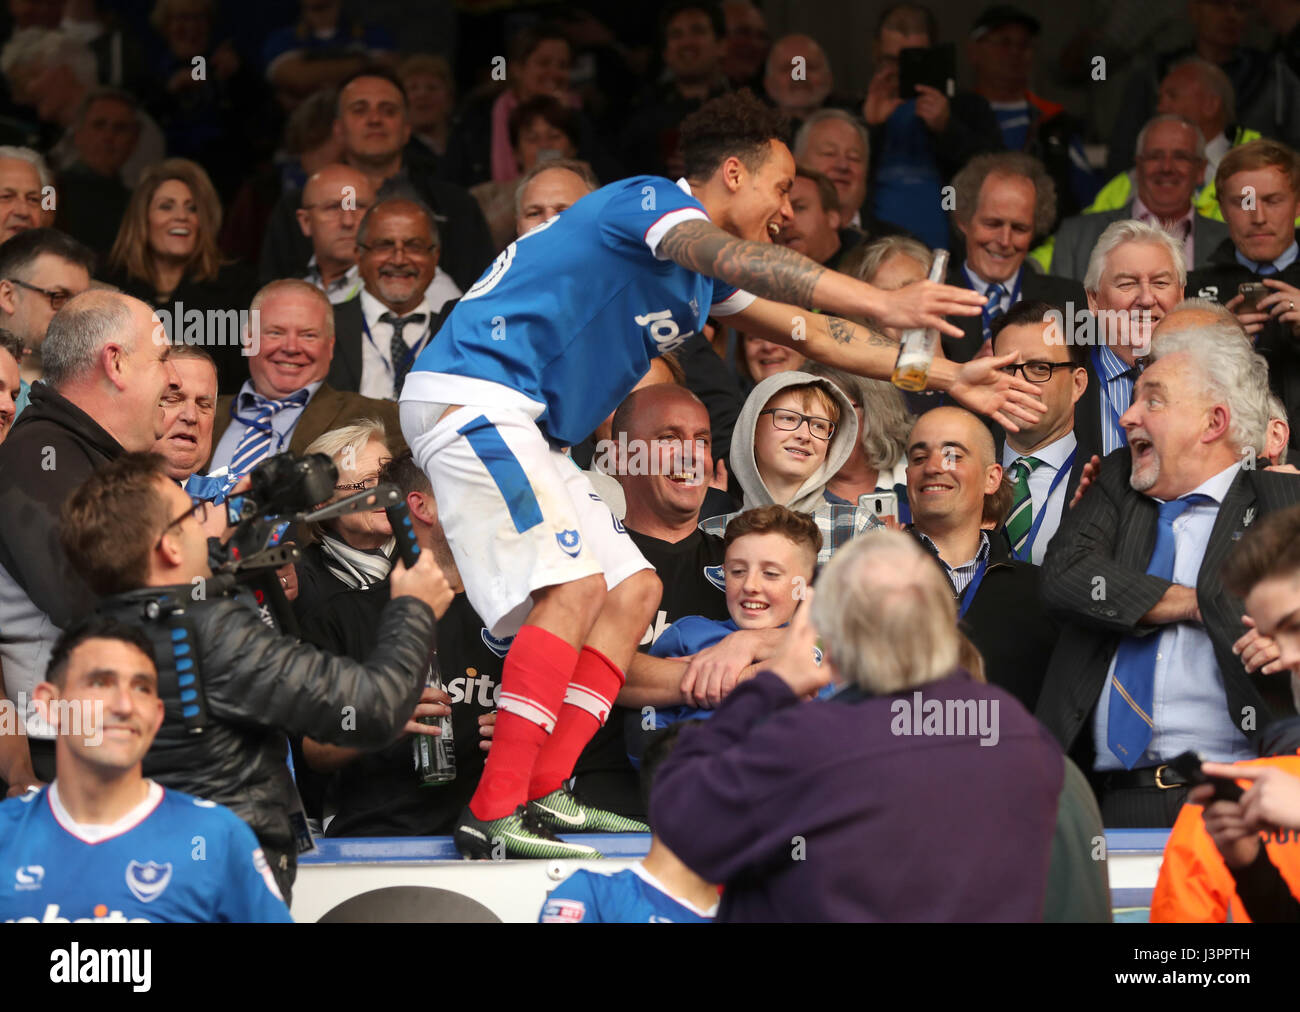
(57, 296)
(199, 510)
(364, 485)
(789, 421)
(411, 247)
(1037, 372)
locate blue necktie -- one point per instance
(992, 308)
(256, 441)
(1132, 691)
(1265, 270)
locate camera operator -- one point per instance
(133, 528)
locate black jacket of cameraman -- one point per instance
(260, 685)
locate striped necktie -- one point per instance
(993, 308)
(398, 349)
(1131, 717)
(256, 441)
(1021, 516)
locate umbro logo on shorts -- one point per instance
(714, 575)
(570, 543)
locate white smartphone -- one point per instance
(881, 504)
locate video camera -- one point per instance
(284, 490)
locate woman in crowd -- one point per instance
(541, 128)
(166, 254)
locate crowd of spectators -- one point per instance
(226, 235)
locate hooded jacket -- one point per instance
(744, 465)
(838, 523)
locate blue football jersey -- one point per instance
(175, 858)
(569, 316)
(626, 897)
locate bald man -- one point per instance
(1201, 93)
(333, 203)
(548, 189)
(951, 469)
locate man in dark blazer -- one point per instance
(1002, 201)
(398, 246)
(287, 388)
(1144, 668)
(1170, 166)
(951, 470)
(1043, 462)
(1259, 191)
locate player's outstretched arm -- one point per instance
(980, 384)
(782, 275)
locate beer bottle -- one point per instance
(917, 347)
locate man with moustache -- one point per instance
(380, 333)
(100, 399)
(1144, 668)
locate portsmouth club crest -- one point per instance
(500, 647)
(147, 881)
(570, 543)
(714, 575)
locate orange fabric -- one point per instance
(1195, 885)
(1046, 108)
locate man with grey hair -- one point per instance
(864, 775)
(798, 78)
(26, 191)
(380, 333)
(287, 386)
(1169, 172)
(105, 379)
(1136, 274)
(548, 188)
(1003, 201)
(834, 143)
(1145, 668)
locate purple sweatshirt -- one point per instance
(855, 809)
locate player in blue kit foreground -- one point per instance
(540, 350)
(102, 843)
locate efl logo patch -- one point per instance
(563, 911)
(147, 881)
(497, 646)
(570, 543)
(714, 575)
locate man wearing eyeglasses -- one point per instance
(1044, 461)
(382, 331)
(1169, 170)
(333, 203)
(40, 269)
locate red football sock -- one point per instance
(587, 700)
(533, 680)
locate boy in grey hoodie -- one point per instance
(793, 435)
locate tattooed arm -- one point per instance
(979, 384)
(782, 275)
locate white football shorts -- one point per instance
(518, 514)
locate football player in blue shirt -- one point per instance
(102, 843)
(659, 889)
(540, 350)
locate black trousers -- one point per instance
(1140, 807)
(284, 866)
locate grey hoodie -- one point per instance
(745, 467)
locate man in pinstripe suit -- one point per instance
(1144, 668)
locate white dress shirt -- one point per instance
(1053, 457)
(1188, 710)
(376, 343)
